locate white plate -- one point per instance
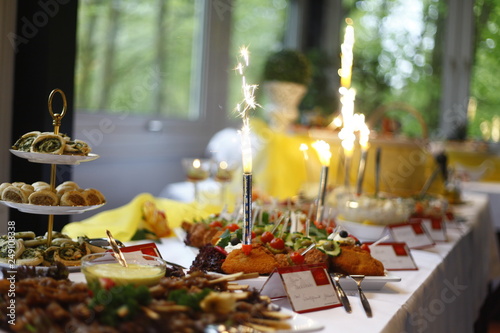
(364, 232)
(50, 210)
(299, 323)
(372, 283)
(71, 269)
(54, 159)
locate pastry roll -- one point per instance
(93, 197)
(25, 141)
(15, 194)
(3, 186)
(73, 198)
(48, 144)
(43, 198)
(68, 184)
(37, 186)
(77, 147)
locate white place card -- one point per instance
(435, 227)
(308, 287)
(414, 234)
(394, 256)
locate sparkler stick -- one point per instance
(243, 110)
(323, 150)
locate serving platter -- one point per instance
(54, 158)
(50, 210)
(71, 269)
(299, 323)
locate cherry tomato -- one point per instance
(106, 283)
(254, 235)
(215, 224)
(319, 225)
(277, 243)
(365, 247)
(266, 237)
(232, 227)
(297, 257)
(220, 249)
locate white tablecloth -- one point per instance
(491, 189)
(444, 295)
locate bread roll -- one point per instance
(73, 198)
(40, 184)
(93, 197)
(15, 194)
(43, 198)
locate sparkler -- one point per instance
(243, 110)
(324, 154)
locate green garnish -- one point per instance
(192, 300)
(118, 303)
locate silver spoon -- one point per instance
(364, 301)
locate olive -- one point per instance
(328, 246)
(235, 241)
(306, 242)
(343, 234)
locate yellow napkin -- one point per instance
(124, 221)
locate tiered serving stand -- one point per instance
(53, 160)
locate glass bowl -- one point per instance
(142, 269)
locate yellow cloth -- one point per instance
(123, 221)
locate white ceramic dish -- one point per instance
(364, 232)
(50, 210)
(71, 269)
(299, 323)
(372, 283)
(54, 159)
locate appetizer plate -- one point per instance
(299, 323)
(54, 159)
(364, 232)
(71, 269)
(50, 210)
(372, 283)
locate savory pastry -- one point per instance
(77, 147)
(3, 186)
(30, 257)
(355, 261)
(67, 185)
(40, 186)
(71, 254)
(6, 247)
(25, 141)
(15, 194)
(48, 144)
(43, 198)
(73, 198)
(260, 260)
(93, 197)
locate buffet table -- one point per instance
(444, 295)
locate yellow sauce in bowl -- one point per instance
(133, 274)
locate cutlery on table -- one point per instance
(341, 293)
(364, 301)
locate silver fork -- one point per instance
(341, 293)
(364, 301)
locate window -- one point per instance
(259, 25)
(484, 122)
(137, 57)
(397, 57)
